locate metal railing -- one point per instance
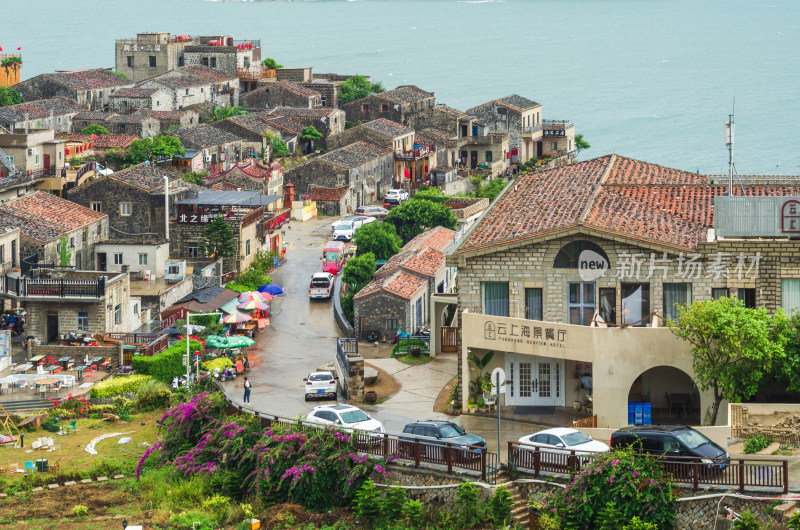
(345, 347)
(741, 473)
(533, 129)
(56, 288)
(423, 342)
(558, 124)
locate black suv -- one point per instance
(671, 441)
(440, 432)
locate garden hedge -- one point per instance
(118, 386)
(168, 364)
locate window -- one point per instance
(117, 315)
(213, 62)
(533, 304)
(117, 258)
(608, 304)
(494, 298)
(384, 108)
(180, 61)
(142, 259)
(635, 303)
(152, 59)
(125, 209)
(37, 160)
(85, 235)
(391, 324)
(488, 156)
(554, 146)
(194, 250)
(130, 61)
(748, 296)
(2, 253)
(719, 292)
(72, 242)
(247, 248)
(83, 321)
(365, 107)
(675, 295)
(581, 303)
(790, 294)
(205, 61)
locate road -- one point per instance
(302, 337)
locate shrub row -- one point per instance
(168, 364)
(118, 385)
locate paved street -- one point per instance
(303, 335)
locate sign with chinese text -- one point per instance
(533, 333)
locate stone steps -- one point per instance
(519, 514)
(27, 404)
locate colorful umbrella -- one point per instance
(249, 296)
(236, 341)
(271, 288)
(236, 318)
(253, 305)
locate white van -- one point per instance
(321, 285)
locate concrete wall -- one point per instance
(157, 255)
(167, 55)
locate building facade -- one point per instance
(55, 113)
(396, 105)
(89, 88)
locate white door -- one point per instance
(535, 381)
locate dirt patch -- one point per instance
(282, 515)
(48, 504)
(442, 402)
(386, 386)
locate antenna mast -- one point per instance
(729, 130)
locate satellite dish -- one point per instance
(502, 375)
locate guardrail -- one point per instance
(60, 288)
(741, 473)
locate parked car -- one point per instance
(672, 441)
(372, 211)
(564, 439)
(321, 285)
(346, 230)
(320, 384)
(396, 196)
(441, 432)
(344, 417)
(348, 219)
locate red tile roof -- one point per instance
(224, 186)
(428, 262)
(438, 238)
(88, 79)
(109, 141)
(140, 93)
(612, 194)
(402, 284)
(423, 254)
(47, 216)
(251, 168)
(327, 194)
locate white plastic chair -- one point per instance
(43, 391)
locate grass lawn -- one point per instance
(410, 359)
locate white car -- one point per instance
(347, 219)
(320, 384)
(345, 418)
(396, 196)
(564, 440)
(346, 229)
(321, 285)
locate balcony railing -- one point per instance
(558, 124)
(22, 287)
(533, 130)
(417, 152)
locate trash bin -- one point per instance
(42, 466)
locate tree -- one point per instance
(487, 189)
(219, 239)
(379, 239)
(221, 112)
(310, 134)
(731, 347)
(95, 129)
(580, 143)
(119, 74)
(64, 254)
(194, 177)
(358, 271)
(414, 217)
(167, 145)
(271, 63)
(279, 148)
(358, 87)
(9, 96)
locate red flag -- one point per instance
(1, 48)
(406, 173)
(94, 137)
(18, 49)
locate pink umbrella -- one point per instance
(266, 296)
(253, 305)
(236, 318)
(251, 295)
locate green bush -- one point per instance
(118, 385)
(412, 513)
(392, 504)
(468, 505)
(756, 443)
(638, 524)
(794, 522)
(219, 362)
(168, 364)
(611, 517)
(194, 519)
(501, 506)
(152, 394)
(746, 521)
(367, 504)
(79, 510)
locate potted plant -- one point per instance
(471, 405)
(481, 404)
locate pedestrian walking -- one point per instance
(246, 390)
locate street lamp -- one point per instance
(188, 332)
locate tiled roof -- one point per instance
(388, 127)
(203, 136)
(354, 155)
(70, 137)
(298, 89)
(437, 238)
(436, 136)
(612, 194)
(190, 76)
(88, 79)
(43, 216)
(406, 94)
(296, 112)
(251, 123)
(518, 102)
(143, 176)
(424, 253)
(284, 125)
(252, 169)
(450, 111)
(93, 115)
(129, 118)
(327, 194)
(172, 115)
(401, 283)
(427, 261)
(39, 108)
(134, 92)
(118, 141)
(224, 186)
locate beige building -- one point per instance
(149, 54)
(35, 153)
(570, 276)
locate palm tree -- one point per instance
(220, 112)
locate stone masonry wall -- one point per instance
(372, 312)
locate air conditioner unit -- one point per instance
(32, 151)
(207, 159)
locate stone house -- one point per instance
(43, 219)
(330, 201)
(149, 54)
(396, 105)
(253, 223)
(301, 74)
(9, 249)
(90, 117)
(250, 175)
(132, 199)
(289, 130)
(366, 169)
(55, 113)
(558, 140)
(223, 53)
(327, 121)
(599, 255)
(439, 117)
(213, 149)
(36, 151)
(282, 94)
(193, 85)
(250, 129)
(136, 125)
(173, 118)
(328, 87)
(89, 88)
(520, 117)
(129, 100)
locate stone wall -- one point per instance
(222, 58)
(430, 486)
(184, 234)
(436, 118)
(276, 95)
(372, 312)
(328, 90)
(298, 75)
(338, 314)
(355, 379)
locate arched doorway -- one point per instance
(671, 393)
